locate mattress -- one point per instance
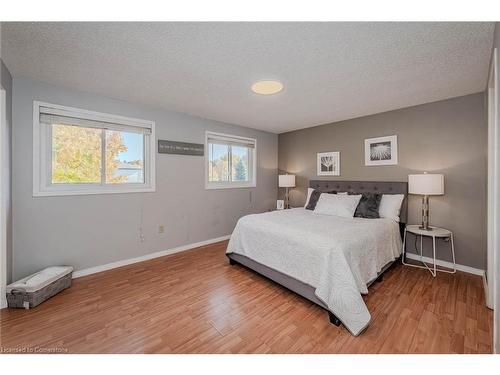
(335, 256)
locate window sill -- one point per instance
(229, 186)
(53, 193)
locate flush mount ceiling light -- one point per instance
(267, 87)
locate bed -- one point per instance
(329, 260)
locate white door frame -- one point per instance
(493, 272)
(3, 207)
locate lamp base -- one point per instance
(287, 199)
(425, 214)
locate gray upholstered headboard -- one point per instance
(382, 187)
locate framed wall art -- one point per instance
(381, 151)
(328, 163)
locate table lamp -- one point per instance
(426, 184)
(287, 181)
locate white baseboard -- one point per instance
(125, 262)
(442, 263)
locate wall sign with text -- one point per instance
(180, 148)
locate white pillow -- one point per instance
(337, 204)
(390, 206)
(309, 192)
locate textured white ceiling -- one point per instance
(331, 71)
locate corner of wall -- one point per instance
(6, 83)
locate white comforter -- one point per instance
(336, 256)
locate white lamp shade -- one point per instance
(286, 180)
(426, 184)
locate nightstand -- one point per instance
(435, 233)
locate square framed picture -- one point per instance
(328, 163)
(381, 151)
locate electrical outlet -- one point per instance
(161, 229)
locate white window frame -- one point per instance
(231, 184)
(42, 158)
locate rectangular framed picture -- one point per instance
(328, 163)
(381, 151)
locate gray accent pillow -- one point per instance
(313, 199)
(368, 206)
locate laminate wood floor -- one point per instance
(195, 302)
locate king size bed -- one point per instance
(330, 260)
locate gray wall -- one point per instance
(6, 82)
(448, 137)
(86, 231)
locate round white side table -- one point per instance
(434, 233)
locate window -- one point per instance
(82, 152)
(230, 161)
